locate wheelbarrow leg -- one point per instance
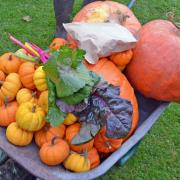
(63, 9)
(87, 2)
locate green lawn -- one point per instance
(158, 156)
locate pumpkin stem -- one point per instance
(1, 83)
(108, 144)
(34, 93)
(54, 139)
(170, 16)
(6, 101)
(10, 57)
(34, 108)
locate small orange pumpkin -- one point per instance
(54, 152)
(122, 59)
(9, 63)
(2, 76)
(57, 43)
(104, 144)
(48, 132)
(8, 112)
(26, 72)
(71, 132)
(94, 158)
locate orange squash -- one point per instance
(8, 112)
(122, 59)
(26, 72)
(155, 68)
(57, 43)
(94, 158)
(54, 152)
(48, 132)
(111, 73)
(103, 11)
(104, 144)
(71, 132)
(9, 63)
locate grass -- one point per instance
(158, 156)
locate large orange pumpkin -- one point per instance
(111, 73)
(71, 132)
(100, 11)
(155, 67)
(26, 72)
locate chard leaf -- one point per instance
(86, 133)
(54, 116)
(106, 108)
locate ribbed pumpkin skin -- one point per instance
(155, 67)
(8, 114)
(43, 100)
(9, 63)
(71, 132)
(29, 120)
(10, 86)
(106, 145)
(94, 158)
(131, 23)
(77, 163)
(39, 78)
(26, 72)
(17, 136)
(48, 132)
(2, 76)
(111, 73)
(54, 152)
(25, 95)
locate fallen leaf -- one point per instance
(27, 18)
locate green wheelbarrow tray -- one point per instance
(28, 157)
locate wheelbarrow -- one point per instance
(27, 157)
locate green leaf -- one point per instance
(71, 81)
(79, 96)
(50, 68)
(86, 133)
(54, 115)
(71, 57)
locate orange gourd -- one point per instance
(155, 68)
(104, 144)
(71, 132)
(94, 158)
(103, 11)
(9, 63)
(122, 59)
(8, 112)
(111, 73)
(57, 43)
(54, 152)
(43, 100)
(48, 132)
(26, 72)
(2, 76)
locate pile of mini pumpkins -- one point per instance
(24, 104)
